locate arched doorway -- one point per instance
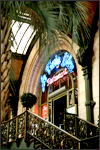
(59, 88)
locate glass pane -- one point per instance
(44, 111)
(24, 34)
(70, 83)
(50, 111)
(70, 99)
(74, 74)
(44, 96)
(64, 81)
(76, 96)
(56, 85)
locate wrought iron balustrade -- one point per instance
(4, 132)
(70, 123)
(49, 134)
(79, 134)
(80, 127)
(90, 143)
(13, 129)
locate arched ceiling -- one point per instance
(24, 36)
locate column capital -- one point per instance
(84, 56)
(90, 103)
(87, 70)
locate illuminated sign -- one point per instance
(52, 64)
(43, 81)
(44, 111)
(55, 78)
(66, 61)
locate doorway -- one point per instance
(59, 107)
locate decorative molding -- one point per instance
(84, 56)
(90, 103)
(87, 70)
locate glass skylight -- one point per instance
(23, 37)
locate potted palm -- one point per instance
(28, 100)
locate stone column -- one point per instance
(87, 73)
(84, 57)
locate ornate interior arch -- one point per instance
(31, 77)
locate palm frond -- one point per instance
(52, 21)
(46, 17)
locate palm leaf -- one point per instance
(52, 21)
(47, 17)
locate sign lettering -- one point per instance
(55, 78)
(65, 61)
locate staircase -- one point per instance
(41, 134)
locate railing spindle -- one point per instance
(76, 127)
(16, 128)
(25, 138)
(8, 132)
(79, 145)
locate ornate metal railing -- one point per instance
(13, 129)
(80, 128)
(82, 134)
(90, 143)
(4, 132)
(49, 134)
